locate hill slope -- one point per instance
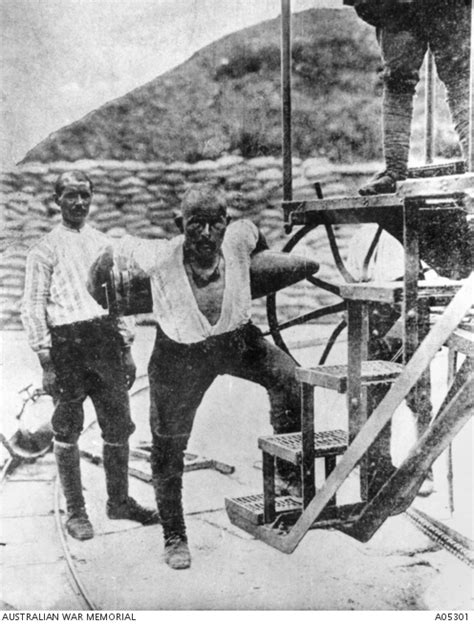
(227, 97)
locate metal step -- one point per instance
(334, 377)
(250, 507)
(288, 446)
(246, 512)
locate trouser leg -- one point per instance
(449, 27)
(251, 357)
(403, 50)
(179, 376)
(107, 388)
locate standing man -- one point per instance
(405, 30)
(201, 298)
(83, 352)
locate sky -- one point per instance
(60, 59)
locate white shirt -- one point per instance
(174, 305)
(55, 292)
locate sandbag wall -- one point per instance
(141, 199)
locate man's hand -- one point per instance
(129, 367)
(49, 374)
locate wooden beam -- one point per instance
(410, 279)
(438, 187)
(392, 292)
(307, 443)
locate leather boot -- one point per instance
(121, 506)
(177, 554)
(396, 120)
(169, 501)
(68, 462)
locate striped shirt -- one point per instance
(174, 304)
(55, 284)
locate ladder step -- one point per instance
(334, 377)
(287, 446)
(251, 507)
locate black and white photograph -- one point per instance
(236, 309)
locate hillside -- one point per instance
(226, 98)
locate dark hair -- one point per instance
(203, 193)
(80, 176)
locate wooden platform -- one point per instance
(431, 194)
(392, 292)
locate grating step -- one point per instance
(334, 377)
(288, 446)
(251, 507)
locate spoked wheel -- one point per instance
(308, 242)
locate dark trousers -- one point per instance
(443, 26)
(87, 358)
(180, 374)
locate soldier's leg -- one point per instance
(403, 50)
(67, 423)
(179, 377)
(107, 387)
(448, 26)
(251, 357)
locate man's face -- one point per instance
(74, 201)
(204, 228)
